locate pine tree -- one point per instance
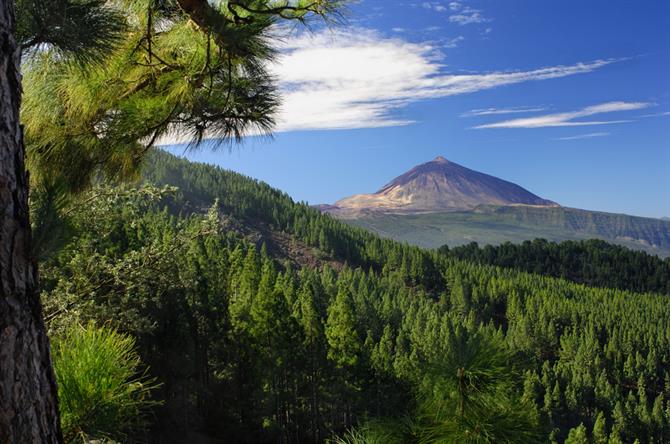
(343, 340)
(244, 290)
(600, 429)
(187, 66)
(382, 355)
(620, 425)
(467, 397)
(658, 417)
(577, 435)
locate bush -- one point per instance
(102, 392)
(377, 432)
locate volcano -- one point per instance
(438, 186)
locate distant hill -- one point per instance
(495, 225)
(441, 202)
(438, 185)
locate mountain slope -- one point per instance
(438, 185)
(495, 225)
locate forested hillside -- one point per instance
(266, 321)
(592, 262)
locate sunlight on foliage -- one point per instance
(101, 388)
(105, 80)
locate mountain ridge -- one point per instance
(496, 225)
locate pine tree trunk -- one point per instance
(28, 396)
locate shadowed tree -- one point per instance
(467, 394)
(28, 402)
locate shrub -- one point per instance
(103, 393)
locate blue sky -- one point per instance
(569, 99)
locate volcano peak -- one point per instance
(440, 185)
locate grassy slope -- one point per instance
(494, 225)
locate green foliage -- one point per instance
(577, 436)
(51, 226)
(101, 388)
(592, 262)
(82, 30)
(194, 68)
(376, 432)
(290, 343)
(468, 396)
(341, 330)
(600, 429)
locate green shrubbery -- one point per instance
(101, 389)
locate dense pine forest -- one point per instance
(593, 262)
(251, 318)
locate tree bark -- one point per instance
(28, 395)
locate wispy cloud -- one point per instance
(496, 111)
(584, 136)
(436, 6)
(664, 113)
(568, 118)
(453, 43)
(466, 16)
(358, 79)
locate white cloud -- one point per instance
(467, 16)
(584, 136)
(494, 111)
(568, 118)
(357, 79)
(455, 6)
(436, 6)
